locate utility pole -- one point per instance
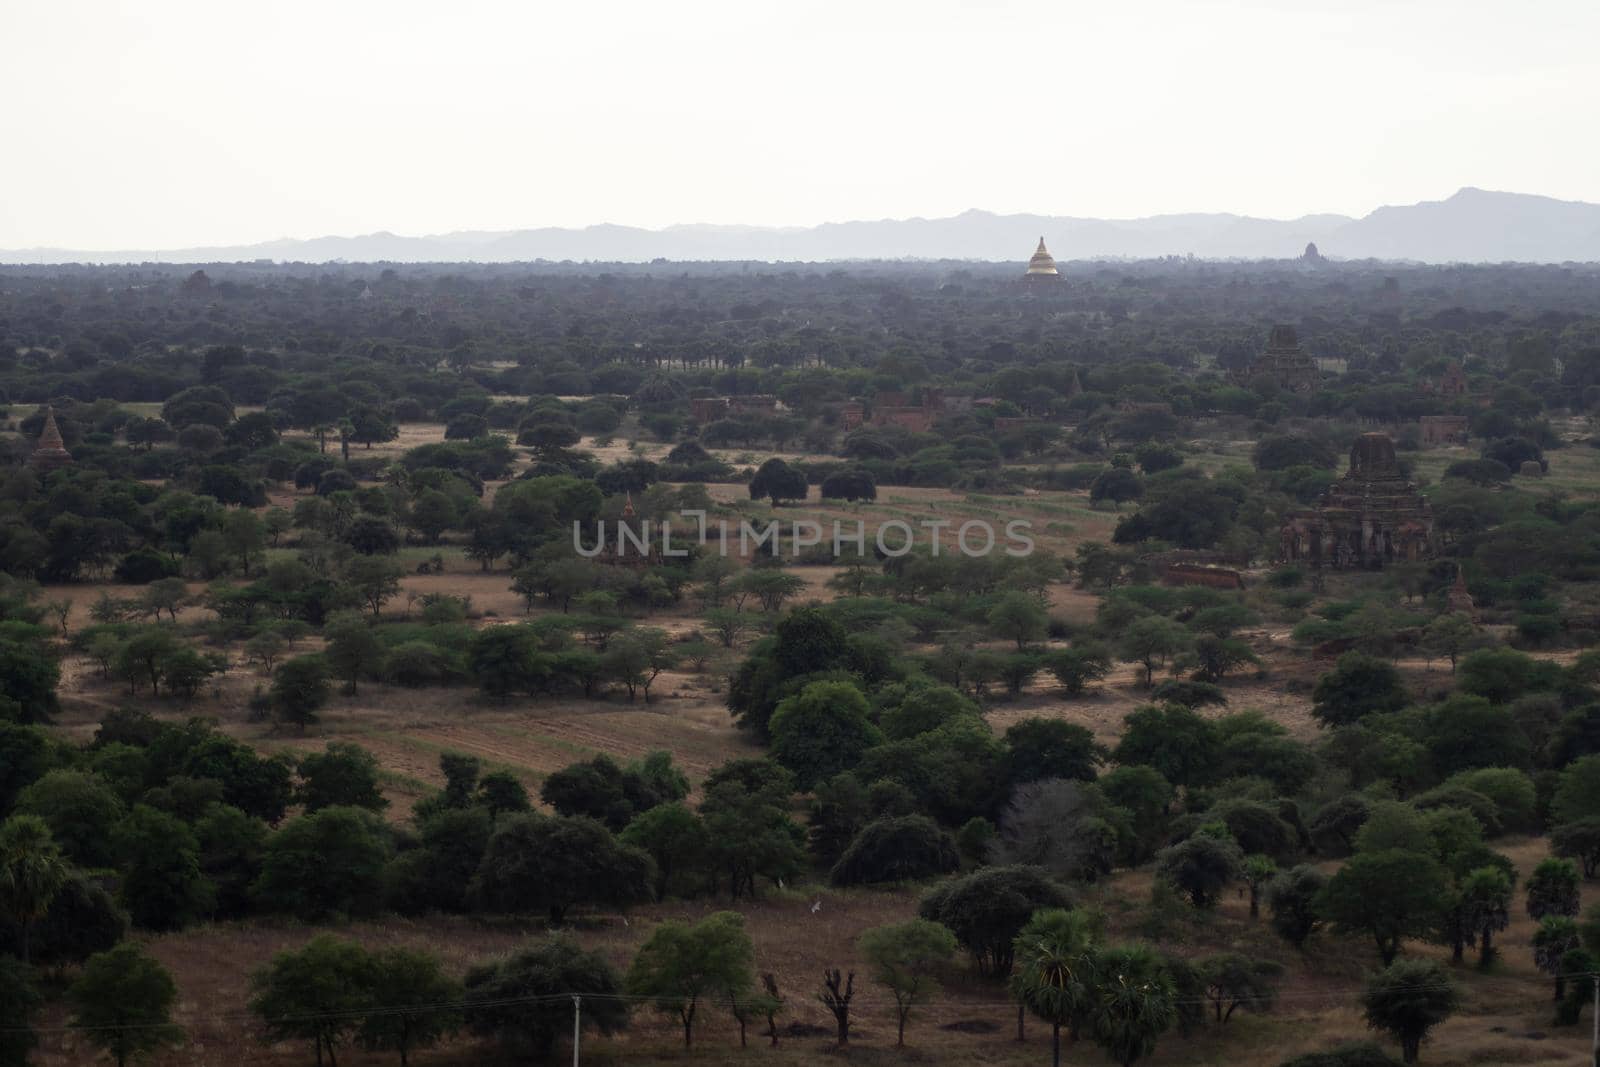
(1594, 979)
(577, 1017)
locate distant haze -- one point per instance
(131, 124)
(1471, 226)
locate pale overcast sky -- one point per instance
(165, 123)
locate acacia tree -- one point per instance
(1233, 981)
(1018, 617)
(417, 1000)
(680, 966)
(1150, 641)
(1389, 895)
(123, 1001)
(1409, 998)
(903, 957)
(318, 992)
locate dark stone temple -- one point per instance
(1370, 517)
(1284, 364)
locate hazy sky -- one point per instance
(164, 123)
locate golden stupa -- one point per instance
(1042, 265)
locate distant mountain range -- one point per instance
(1473, 226)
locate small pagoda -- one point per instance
(51, 451)
(1457, 599)
(1370, 517)
(1042, 267)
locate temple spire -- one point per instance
(51, 451)
(1042, 265)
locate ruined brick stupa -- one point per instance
(1370, 517)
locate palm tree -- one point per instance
(1053, 975)
(1134, 1002)
(31, 872)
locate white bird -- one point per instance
(816, 906)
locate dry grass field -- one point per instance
(1508, 1014)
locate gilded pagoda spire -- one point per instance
(1042, 265)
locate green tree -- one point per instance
(1200, 867)
(896, 849)
(162, 886)
(752, 834)
(1054, 977)
(325, 864)
(123, 1001)
(32, 872)
(1409, 998)
(637, 656)
(300, 690)
(1388, 895)
(1116, 484)
(1134, 1002)
(417, 1000)
(1050, 748)
(1556, 936)
(1150, 641)
(1018, 617)
(506, 660)
(1077, 666)
(1258, 872)
(342, 775)
(1553, 889)
(525, 1000)
(245, 537)
(988, 908)
(1577, 795)
(1358, 685)
(1450, 636)
(1486, 907)
(675, 837)
(18, 1000)
(319, 992)
(1234, 981)
(777, 481)
(354, 649)
(681, 965)
(822, 730)
(1292, 903)
(904, 958)
(544, 863)
(80, 810)
(1178, 743)
(25, 756)
(375, 580)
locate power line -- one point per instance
(857, 1002)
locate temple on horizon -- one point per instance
(1042, 267)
